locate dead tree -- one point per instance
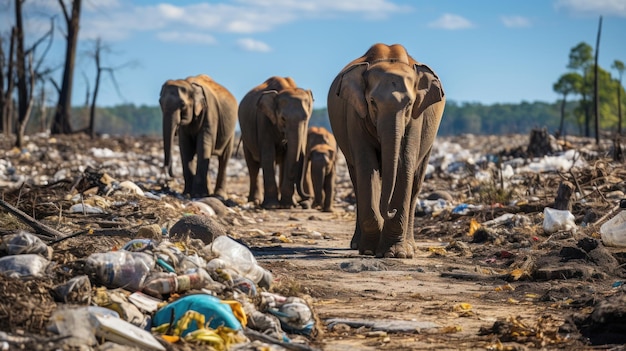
(61, 122)
(28, 73)
(99, 48)
(596, 101)
(6, 102)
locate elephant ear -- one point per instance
(199, 99)
(429, 90)
(351, 88)
(267, 105)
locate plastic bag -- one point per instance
(557, 220)
(218, 313)
(20, 266)
(613, 232)
(25, 243)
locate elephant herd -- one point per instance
(384, 109)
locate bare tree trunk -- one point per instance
(61, 123)
(596, 97)
(619, 108)
(562, 116)
(92, 110)
(43, 118)
(20, 63)
(23, 119)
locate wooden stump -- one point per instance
(563, 196)
(539, 144)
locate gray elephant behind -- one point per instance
(385, 108)
(204, 115)
(274, 118)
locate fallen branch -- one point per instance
(39, 227)
(97, 232)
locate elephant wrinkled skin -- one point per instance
(319, 167)
(204, 114)
(274, 118)
(384, 110)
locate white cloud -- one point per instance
(250, 44)
(592, 8)
(186, 37)
(114, 20)
(451, 22)
(515, 21)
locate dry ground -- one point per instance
(509, 286)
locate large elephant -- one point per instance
(385, 109)
(319, 167)
(274, 117)
(204, 114)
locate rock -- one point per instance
(217, 205)
(197, 227)
(152, 231)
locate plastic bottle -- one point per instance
(174, 283)
(121, 269)
(239, 258)
(613, 232)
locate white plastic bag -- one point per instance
(557, 220)
(613, 232)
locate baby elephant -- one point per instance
(319, 167)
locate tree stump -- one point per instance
(563, 196)
(539, 144)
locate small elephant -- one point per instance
(274, 118)
(385, 109)
(319, 167)
(204, 114)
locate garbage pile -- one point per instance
(153, 293)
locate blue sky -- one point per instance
(485, 51)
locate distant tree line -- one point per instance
(459, 118)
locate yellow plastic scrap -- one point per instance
(506, 287)
(437, 251)
(463, 306)
(473, 227)
(238, 311)
(219, 339)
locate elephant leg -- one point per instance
(368, 207)
(329, 191)
(286, 188)
(201, 180)
(356, 236)
(187, 153)
(254, 195)
(270, 198)
(220, 182)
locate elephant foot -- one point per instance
(220, 194)
(305, 204)
(271, 204)
(327, 209)
(287, 204)
(398, 249)
(367, 245)
(356, 238)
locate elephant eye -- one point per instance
(373, 103)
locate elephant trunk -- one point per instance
(390, 138)
(170, 124)
(304, 185)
